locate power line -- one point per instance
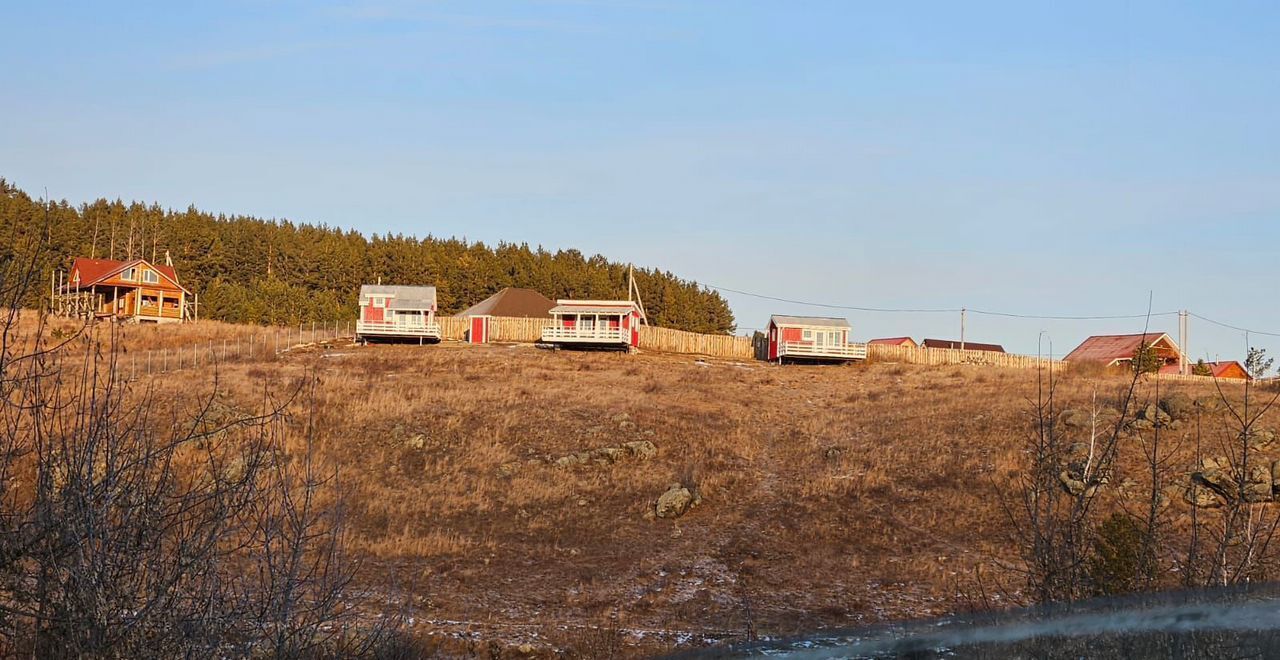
(1235, 327)
(830, 306)
(1071, 318)
(955, 310)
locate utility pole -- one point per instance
(1184, 336)
(962, 315)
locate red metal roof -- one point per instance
(1108, 349)
(968, 345)
(893, 341)
(93, 271)
(1222, 369)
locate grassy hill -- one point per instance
(829, 496)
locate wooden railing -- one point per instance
(811, 350)
(596, 334)
(392, 328)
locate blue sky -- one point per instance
(1041, 158)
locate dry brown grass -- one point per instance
(831, 495)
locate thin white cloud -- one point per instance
(420, 12)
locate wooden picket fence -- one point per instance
(668, 340)
(516, 329)
(945, 356)
(452, 328)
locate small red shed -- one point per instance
(812, 338)
(594, 323)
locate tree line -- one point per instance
(252, 270)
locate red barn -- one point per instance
(811, 338)
(594, 323)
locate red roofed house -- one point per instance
(895, 341)
(1229, 370)
(1113, 350)
(968, 345)
(594, 324)
(133, 290)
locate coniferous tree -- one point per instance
(276, 271)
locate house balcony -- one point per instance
(558, 334)
(397, 329)
(809, 350)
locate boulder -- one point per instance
(418, 441)
(1257, 484)
(674, 503)
(1075, 419)
(609, 454)
(1073, 486)
(641, 449)
(1199, 496)
(1155, 415)
(1209, 402)
(1179, 405)
(1218, 480)
(509, 469)
(1261, 438)
(569, 461)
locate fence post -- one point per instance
(164, 361)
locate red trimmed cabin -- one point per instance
(812, 339)
(594, 324)
(135, 290)
(394, 312)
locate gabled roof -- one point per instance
(1110, 349)
(594, 307)
(512, 302)
(893, 341)
(96, 271)
(401, 297)
(968, 345)
(1222, 369)
(808, 321)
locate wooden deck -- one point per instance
(392, 329)
(555, 334)
(809, 350)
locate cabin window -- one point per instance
(807, 335)
(129, 274)
(150, 276)
(150, 301)
(378, 302)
